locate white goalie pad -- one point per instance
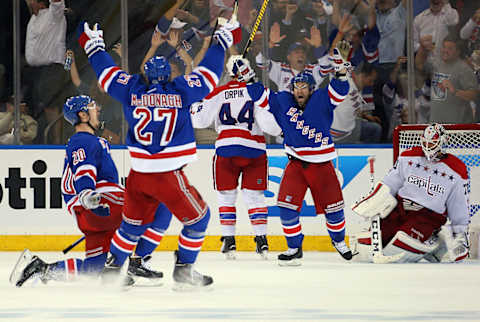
(412, 249)
(379, 202)
(360, 244)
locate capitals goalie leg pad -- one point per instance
(413, 250)
(361, 246)
(291, 227)
(125, 240)
(153, 235)
(379, 202)
(336, 225)
(257, 210)
(227, 211)
(191, 239)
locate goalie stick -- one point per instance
(255, 27)
(375, 229)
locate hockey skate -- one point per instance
(262, 246)
(229, 247)
(343, 249)
(29, 267)
(139, 269)
(111, 274)
(292, 257)
(186, 278)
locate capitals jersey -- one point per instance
(238, 110)
(307, 133)
(439, 186)
(88, 165)
(160, 136)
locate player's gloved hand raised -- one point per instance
(91, 40)
(90, 199)
(228, 34)
(340, 59)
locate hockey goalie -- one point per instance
(410, 207)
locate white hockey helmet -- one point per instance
(239, 67)
(433, 141)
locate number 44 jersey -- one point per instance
(238, 110)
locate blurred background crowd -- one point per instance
(295, 35)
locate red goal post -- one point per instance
(463, 140)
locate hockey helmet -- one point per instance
(240, 67)
(303, 77)
(157, 70)
(433, 141)
(73, 105)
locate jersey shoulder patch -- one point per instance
(456, 165)
(416, 151)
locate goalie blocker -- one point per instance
(409, 235)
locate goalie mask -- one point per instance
(433, 140)
(157, 70)
(239, 67)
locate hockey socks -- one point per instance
(291, 227)
(153, 235)
(258, 219)
(124, 241)
(336, 225)
(228, 219)
(191, 239)
(68, 270)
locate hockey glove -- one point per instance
(340, 59)
(460, 247)
(91, 40)
(90, 199)
(228, 35)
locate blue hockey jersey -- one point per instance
(160, 136)
(88, 165)
(307, 133)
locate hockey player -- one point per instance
(93, 195)
(161, 142)
(238, 111)
(305, 118)
(425, 187)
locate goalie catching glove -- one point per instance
(91, 40)
(90, 199)
(228, 34)
(340, 59)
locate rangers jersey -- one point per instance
(160, 136)
(307, 133)
(240, 119)
(439, 186)
(88, 165)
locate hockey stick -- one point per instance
(255, 27)
(375, 229)
(69, 248)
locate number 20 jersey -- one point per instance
(160, 136)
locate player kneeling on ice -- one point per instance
(161, 143)
(93, 195)
(305, 118)
(237, 108)
(425, 187)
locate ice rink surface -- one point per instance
(325, 288)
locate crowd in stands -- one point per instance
(301, 34)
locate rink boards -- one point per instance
(33, 215)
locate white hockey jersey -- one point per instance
(439, 186)
(238, 110)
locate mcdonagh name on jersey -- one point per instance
(157, 100)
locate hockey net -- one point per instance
(463, 141)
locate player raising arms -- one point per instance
(91, 190)
(240, 149)
(425, 187)
(305, 118)
(161, 142)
